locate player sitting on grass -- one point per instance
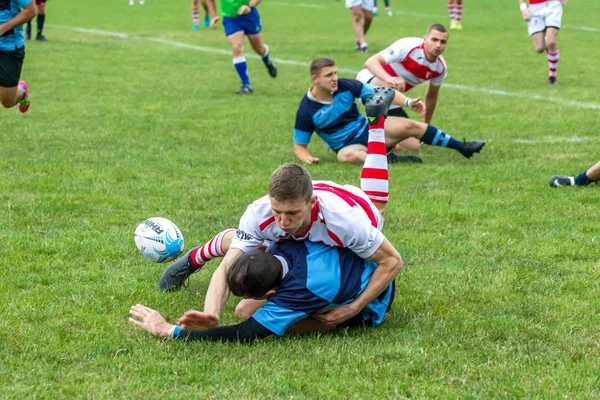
(329, 109)
(583, 179)
(301, 281)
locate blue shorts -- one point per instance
(249, 23)
(363, 139)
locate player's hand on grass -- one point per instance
(149, 320)
(198, 321)
(563, 2)
(312, 160)
(335, 316)
(526, 15)
(418, 106)
(213, 22)
(243, 10)
(397, 83)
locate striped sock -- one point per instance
(374, 175)
(211, 249)
(451, 10)
(436, 137)
(553, 57)
(242, 69)
(195, 19)
(458, 12)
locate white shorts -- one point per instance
(545, 15)
(365, 76)
(364, 4)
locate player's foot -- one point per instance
(375, 12)
(271, 68)
(552, 81)
(470, 148)
(459, 26)
(245, 89)
(195, 27)
(357, 48)
(24, 103)
(558, 181)
(379, 104)
(206, 21)
(131, 3)
(177, 274)
(452, 25)
(393, 158)
(41, 38)
(388, 12)
(364, 49)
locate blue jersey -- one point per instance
(9, 9)
(338, 123)
(319, 277)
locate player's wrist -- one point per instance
(407, 101)
(523, 6)
(174, 332)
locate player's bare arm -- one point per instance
(28, 12)
(431, 98)
(218, 292)
(301, 152)
(525, 11)
(389, 264)
(375, 64)
(212, 12)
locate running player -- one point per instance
(544, 18)
(409, 62)
(241, 18)
(195, 16)
(41, 18)
(13, 14)
(329, 109)
(362, 16)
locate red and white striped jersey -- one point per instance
(406, 58)
(537, 1)
(343, 216)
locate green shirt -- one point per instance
(229, 8)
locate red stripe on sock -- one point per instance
(376, 148)
(379, 124)
(193, 254)
(374, 173)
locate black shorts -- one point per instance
(11, 63)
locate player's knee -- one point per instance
(7, 103)
(353, 157)
(551, 44)
(540, 49)
(242, 312)
(237, 50)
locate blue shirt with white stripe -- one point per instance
(9, 9)
(338, 122)
(319, 277)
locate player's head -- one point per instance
(292, 199)
(435, 41)
(254, 275)
(323, 73)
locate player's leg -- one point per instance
(583, 179)
(41, 19)
(357, 26)
(458, 9)
(12, 90)
(236, 40)
(451, 14)
(206, 14)
(367, 20)
(195, 18)
(553, 54)
(388, 9)
(177, 273)
(28, 30)
(262, 50)
(352, 154)
(398, 129)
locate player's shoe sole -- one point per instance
(24, 103)
(470, 148)
(176, 275)
(378, 105)
(558, 181)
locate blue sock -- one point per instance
(582, 179)
(435, 137)
(242, 69)
(265, 58)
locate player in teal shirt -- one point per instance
(241, 18)
(13, 14)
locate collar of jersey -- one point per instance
(313, 98)
(313, 217)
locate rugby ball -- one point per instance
(158, 239)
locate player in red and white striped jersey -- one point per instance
(298, 208)
(409, 62)
(544, 19)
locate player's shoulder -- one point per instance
(408, 43)
(345, 85)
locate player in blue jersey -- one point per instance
(329, 109)
(13, 14)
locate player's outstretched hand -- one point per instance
(214, 21)
(312, 160)
(149, 320)
(198, 321)
(335, 316)
(418, 106)
(526, 15)
(397, 83)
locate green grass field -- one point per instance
(500, 293)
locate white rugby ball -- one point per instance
(158, 239)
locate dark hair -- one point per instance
(318, 64)
(290, 182)
(437, 27)
(253, 274)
